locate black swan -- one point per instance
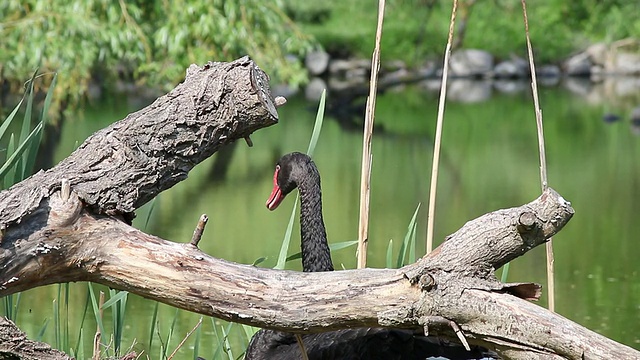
(298, 170)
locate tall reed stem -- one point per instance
(543, 158)
(365, 176)
(438, 139)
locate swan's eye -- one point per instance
(276, 175)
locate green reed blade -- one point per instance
(405, 243)
(390, 254)
(284, 248)
(9, 178)
(332, 247)
(318, 124)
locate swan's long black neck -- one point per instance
(316, 255)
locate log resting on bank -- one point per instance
(70, 223)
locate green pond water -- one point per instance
(489, 161)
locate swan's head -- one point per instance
(290, 171)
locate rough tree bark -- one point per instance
(15, 345)
(66, 224)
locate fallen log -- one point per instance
(71, 223)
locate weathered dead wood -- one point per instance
(74, 234)
(15, 345)
(120, 168)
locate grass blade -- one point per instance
(284, 248)
(170, 335)
(259, 260)
(49, 97)
(249, 331)
(401, 254)
(412, 245)
(154, 319)
(7, 121)
(114, 297)
(318, 124)
(196, 341)
(80, 349)
(118, 301)
(96, 311)
(407, 238)
(18, 173)
(505, 273)
(332, 247)
(16, 306)
(15, 156)
(8, 301)
(227, 345)
(26, 128)
(151, 207)
(9, 177)
(43, 329)
(56, 318)
(65, 334)
(30, 158)
(389, 264)
(218, 353)
(342, 245)
(84, 314)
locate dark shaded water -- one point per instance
(489, 161)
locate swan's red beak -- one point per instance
(276, 196)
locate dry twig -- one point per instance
(543, 158)
(438, 139)
(365, 177)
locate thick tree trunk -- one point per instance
(66, 225)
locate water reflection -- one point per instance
(489, 161)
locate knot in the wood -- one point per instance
(427, 282)
(526, 221)
(65, 207)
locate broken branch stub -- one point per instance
(488, 242)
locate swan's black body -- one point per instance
(298, 170)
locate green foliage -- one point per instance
(333, 247)
(192, 32)
(318, 124)
(408, 244)
(416, 29)
(223, 341)
(96, 314)
(154, 324)
(118, 301)
(152, 42)
(19, 159)
(11, 305)
(284, 248)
